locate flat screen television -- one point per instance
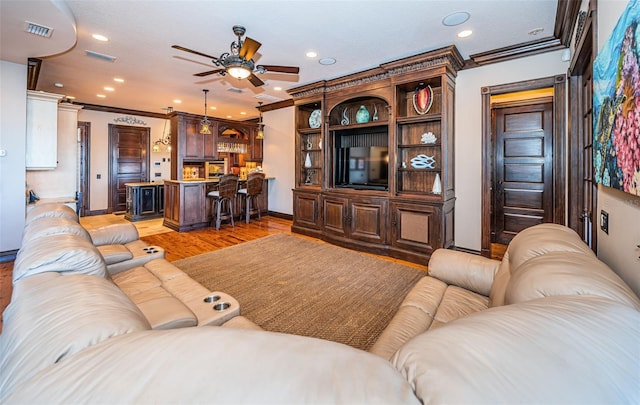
(362, 167)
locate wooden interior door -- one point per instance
(128, 152)
(523, 189)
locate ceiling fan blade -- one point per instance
(249, 48)
(255, 80)
(281, 69)
(182, 48)
(208, 72)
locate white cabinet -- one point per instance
(42, 130)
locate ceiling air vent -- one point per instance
(234, 90)
(37, 29)
(102, 56)
(268, 97)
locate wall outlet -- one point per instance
(604, 221)
(98, 176)
(158, 174)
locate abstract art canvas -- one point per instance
(616, 104)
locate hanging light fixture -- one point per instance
(205, 124)
(166, 137)
(260, 134)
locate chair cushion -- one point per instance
(135, 280)
(51, 210)
(167, 313)
(115, 253)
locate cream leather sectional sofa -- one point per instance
(550, 323)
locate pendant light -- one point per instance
(205, 124)
(260, 134)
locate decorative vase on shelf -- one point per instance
(375, 113)
(362, 115)
(345, 117)
(437, 186)
(309, 143)
(307, 161)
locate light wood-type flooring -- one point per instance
(179, 245)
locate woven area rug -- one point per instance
(293, 285)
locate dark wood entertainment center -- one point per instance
(369, 148)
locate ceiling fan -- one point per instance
(238, 62)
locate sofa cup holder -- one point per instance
(221, 306)
(211, 298)
(151, 249)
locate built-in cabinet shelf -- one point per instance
(375, 173)
(42, 130)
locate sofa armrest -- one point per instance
(472, 272)
(114, 234)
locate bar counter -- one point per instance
(187, 207)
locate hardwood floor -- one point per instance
(179, 245)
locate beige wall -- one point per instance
(279, 158)
(13, 124)
(99, 153)
(619, 248)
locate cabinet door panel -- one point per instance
(367, 220)
(193, 203)
(335, 216)
(193, 143)
(306, 208)
(416, 227)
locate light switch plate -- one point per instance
(604, 221)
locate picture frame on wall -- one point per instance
(616, 105)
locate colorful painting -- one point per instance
(616, 103)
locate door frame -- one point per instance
(84, 169)
(558, 83)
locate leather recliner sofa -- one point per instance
(550, 323)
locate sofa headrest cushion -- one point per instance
(114, 234)
(51, 210)
(51, 318)
(541, 239)
(567, 273)
(45, 226)
(63, 253)
(571, 349)
(533, 242)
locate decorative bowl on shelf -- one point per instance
(422, 99)
(315, 119)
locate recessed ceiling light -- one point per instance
(327, 61)
(536, 31)
(464, 34)
(277, 88)
(456, 18)
(58, 85)
(101, 95)
(243, 113)
(177, 101)
(119, 80)
(229, 116)
(213, 108)
(107, 88)
(99, 37)
(312, 54)
(70, 97)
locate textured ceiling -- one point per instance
(358, 34)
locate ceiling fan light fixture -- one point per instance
(239, 72)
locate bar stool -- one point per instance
(226, 193)
(253, 190)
